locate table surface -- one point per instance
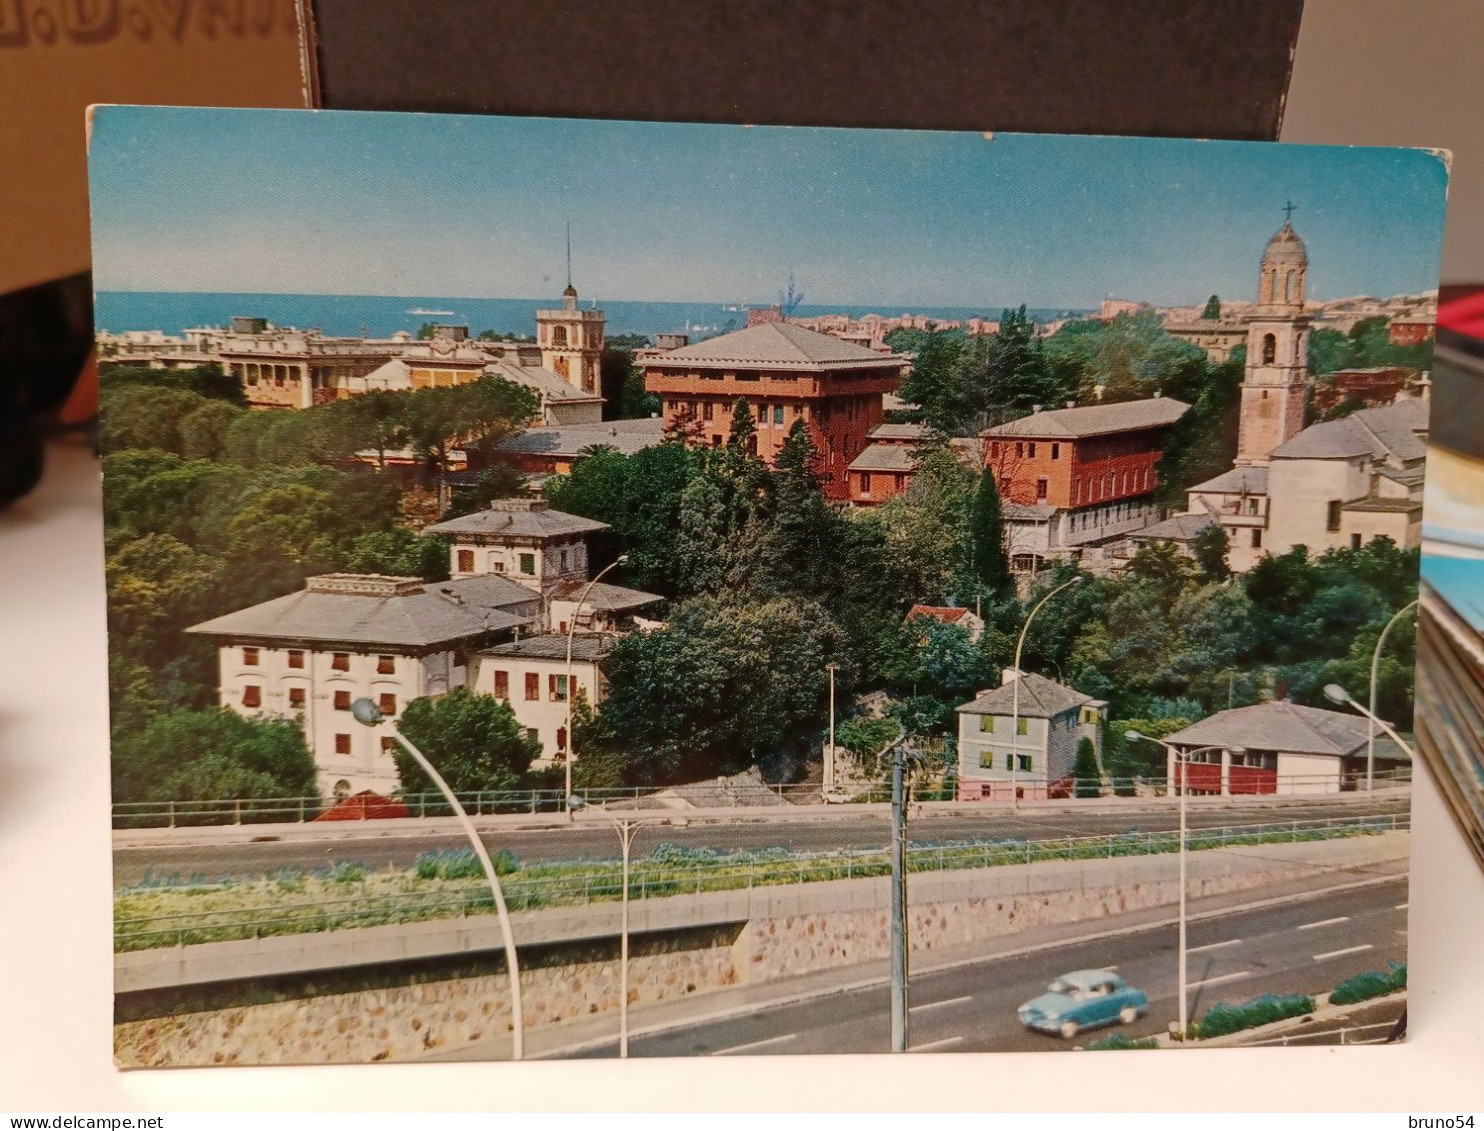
(55, 893)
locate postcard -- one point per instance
(605, 589)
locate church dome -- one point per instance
(1286, 248)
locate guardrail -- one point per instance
(580, 883)
(269, 810)
(1377, 1034)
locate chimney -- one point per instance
(1071, 404)
(1008, 675)
(1035, 408)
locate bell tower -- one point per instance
(1276, 377)
(571, 339)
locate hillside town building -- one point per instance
(343, 637)
(520, 539)
(785, 373)
(1276, 375)
(1020, 739)
(1077, 478)
(554, 449)
(532, 676)
(1279, 747)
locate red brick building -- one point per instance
(1410, 331)
(1077, 477)
(1377, 387)
(785, 373)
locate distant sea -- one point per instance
(380, 316)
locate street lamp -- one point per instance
(1370, 737)
(1183, 760)
(828, 785)
(1337, 694)
(571, 754)
(1015, 690)
(627, 828)
(367, 712)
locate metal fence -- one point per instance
(580, 883)
(272, 810)
(1377, 1034)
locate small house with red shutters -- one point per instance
(1279, 747)
(534, 678)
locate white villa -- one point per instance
(531, 675)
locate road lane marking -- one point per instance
(1223, 978)
(944, 1043)
(1213, 946)
(757, 1044)
(1324, 923)
(937, 1004)
(1347, 950)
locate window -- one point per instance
(1332, 518)
(388, 745)
(1056, 451)
(1256, 539)
(342, 700)
(1022, 726)
(497, 564)
(562, 561)
(1030, 449)
(250, 657)
(986, 724)
(502, 685)
(900, 482)
(1251, 506)
(296, 658)
(1355, 541)
(1009, 762)
(340, 661)
(1269, 350)
(559, 335)
(561, 738)
(777, 414)
(1019, 450)
(533, 686)
(528, 564)
(557, 686)
(1041, 487)
(865, 482)
(388, 703)
(386, 665)
(986, 761)
(252, 695)
(342, 744)
(708, 411)
(297, 698)
(994, 450)
(1025, 763)
(466, 561)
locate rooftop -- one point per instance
(1040, 698)
(1383, 505)
(586, 646)
(1237, 481)
(571, 440)
(908, 432)
(1094, 420)
(370, 609)
(1395, 430)
(885, 457)
(1279, 725)
(520, 518)
(775, 345)
(946, 614)
(1178, 528)
(604, 596)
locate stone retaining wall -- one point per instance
(810, 928)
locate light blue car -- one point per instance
(1083, 999)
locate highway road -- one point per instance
(595, 840)
(1303, 946)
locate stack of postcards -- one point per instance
(1450, 675)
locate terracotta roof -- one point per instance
(391, 612)
(1094, 420)
(605, 596)
(1283, 726)
(946, 614)
(1179, 528)
(885, 457)
(1040, 698)
(518, 519)
(775, 345)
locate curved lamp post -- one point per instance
(627, 828)
(1015, 691)
(367, 712)
(1337, 694)
(1183, 761)
(1370, 738)
(571, 753)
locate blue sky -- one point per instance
(432, 205)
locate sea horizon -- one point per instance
(379, 316)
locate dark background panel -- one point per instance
(1192, 68)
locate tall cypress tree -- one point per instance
(991, 562)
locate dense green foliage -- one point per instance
(1363, 987)
(1223, 1019)
(1367, 344)
(1085, 770)
(212, 754)
(472, 740)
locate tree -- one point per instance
(989, 555)
(211, 755)
(211, 381)
(798, 547)
(144, 416)
(471, 739)
(203, 430)
(1015, 373)
(936, 381)
(1085, 772)
(157, 585)
(1212, 312)
(1210, 547)
(743, 436)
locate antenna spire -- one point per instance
(569, 253)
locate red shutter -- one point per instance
(533, 686)
(502, 685)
